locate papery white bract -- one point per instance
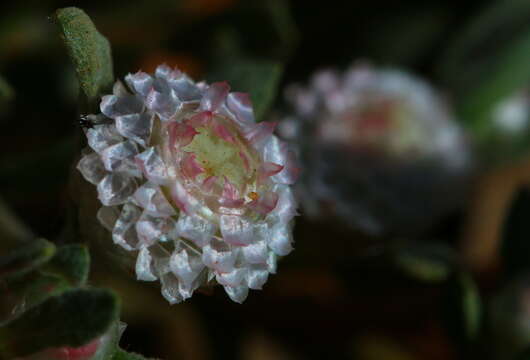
(191, 182)
(379, 149)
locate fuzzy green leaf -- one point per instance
(109, 342)
(71, 262)
(89, 51)
(259, 78)
(71, 319)
(26, 258)
(23, 293)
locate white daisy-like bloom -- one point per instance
(379, 148)
(192, 183)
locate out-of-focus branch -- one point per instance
(486, 213)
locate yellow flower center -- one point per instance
(218, 157)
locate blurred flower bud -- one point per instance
(379, 149)
(192, 183)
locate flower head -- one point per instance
(378, 146)
(191, 182)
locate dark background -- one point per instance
(340, 294)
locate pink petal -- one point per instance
(256, 253)
(236, 230)
(278, 152)
(163, 71)
(215, 96)
(113, 106)
(200, 120)
(281, 239)
(218, 256)
(152, 199)
(233, 278)
(237, 294)
(140, 82)
(208, 183)
(230, 196)
(265, 204)
(190, 167)
(162, 103)
(291, 171)
(182, 198)
(241, 106)
(152, 166)
(285, 210)
(246, 162)
(260, 132)
(180, 134)
(268, 169)
(221, 131)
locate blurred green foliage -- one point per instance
(463, 311)
(430, 262)
(487, 63)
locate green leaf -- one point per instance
(20, 294)
(124, 355)
(463, 310)
(26, 258)
(488, 63)
(71, 262)
(89, 51)
(109, 343)
(259, 78)
(515, 247)
(427, 262)
(71, 319)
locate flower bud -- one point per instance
(379, 149)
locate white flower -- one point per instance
(191, 182)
